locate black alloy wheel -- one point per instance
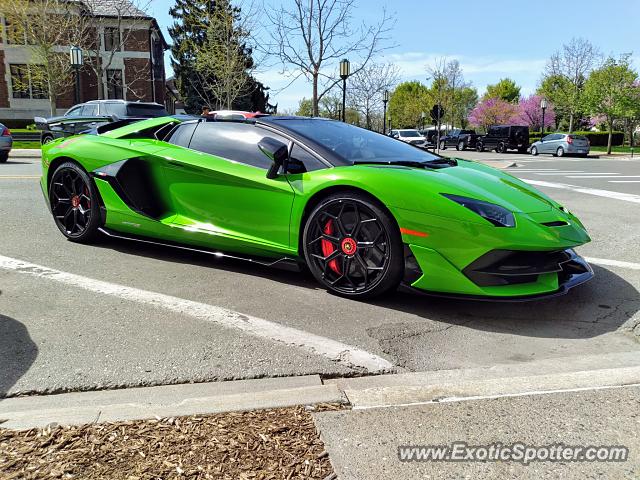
(74, 204)
(353, 246)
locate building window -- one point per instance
(114, 84)
(158, 60)
(112, 39)
(27, 81)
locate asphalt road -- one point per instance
(57, 335)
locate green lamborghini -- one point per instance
(363, 211)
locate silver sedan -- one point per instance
(6, 142)
(560, 144)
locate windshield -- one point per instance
(146, 110)
(409, 133)
(354, 144)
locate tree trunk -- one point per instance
(610, 138)
(571, 123)
(315, 95)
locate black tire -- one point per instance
(4, 156)
(480, 147)
(353, 247)
(73, 198)
(47, 139)
(443, 145)
(500, 148)
(534, 151)
(522, 150)
(460, 147)
(560, 152)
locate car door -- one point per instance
(219, 189)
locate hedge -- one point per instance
(597, 139)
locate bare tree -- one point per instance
(47, 28)
(367, 87)
(573, 62)
(223, 60)
(125, 25)
(309, 37)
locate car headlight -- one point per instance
(499, 216)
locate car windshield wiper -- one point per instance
(436, 163)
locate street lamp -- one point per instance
(385, 100)
(543, 106)
(76, 62)
(345, 71)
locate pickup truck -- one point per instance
(461, 139)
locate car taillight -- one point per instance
(569, 139)
(6, 133)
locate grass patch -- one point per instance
(620, 149)
(18, 144)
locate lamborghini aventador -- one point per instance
(363, 211)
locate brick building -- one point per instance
(131, 43)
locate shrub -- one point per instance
(597, 139)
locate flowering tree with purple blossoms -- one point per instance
(530, 113)
(494, 111)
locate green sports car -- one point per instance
(363, 211)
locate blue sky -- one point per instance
(501, 38)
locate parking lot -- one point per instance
(77, 317)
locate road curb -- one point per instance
(559, 374)
(542, 376)
(22, 413)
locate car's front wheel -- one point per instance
(460, 147)
(74, 203)
(353, 246)
(443, 146)
(480, 147)
(534, 151)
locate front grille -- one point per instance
(511, 267)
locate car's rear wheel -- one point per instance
(560, 152)
(460, 147)
(501, 148)
(480, 147)
(74, 203)
(4, 156)
(534, 151)
(47, 139)
(353, 247)
(443, 145)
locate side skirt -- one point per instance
(284, 263)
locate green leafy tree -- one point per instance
(466, 100)
(407, 103)
(556, 89)
(506, 89)
(610, 91)
(305, 108)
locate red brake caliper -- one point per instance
(328, 248)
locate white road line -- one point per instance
(603, 176)
(627, 197)
(326, 347)
(553, 173)
(613, 263)
(623, 181)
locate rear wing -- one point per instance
(137, 128)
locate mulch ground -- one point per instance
(266, 444)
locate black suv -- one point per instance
(86, 116)
(505, 137)
(461, 139)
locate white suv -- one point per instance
(410, 136)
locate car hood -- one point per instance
(419, 188)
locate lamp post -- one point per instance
(385, 100)
(345, 71)
(76, 62)
(543, 106)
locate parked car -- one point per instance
(6, 142)
(265, 190)
(461, 139)
(504, 137)
(410, 136)
(431, 136)
(86, 116)
(560, 144)
(235, 115)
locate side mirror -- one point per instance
(277, 151)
